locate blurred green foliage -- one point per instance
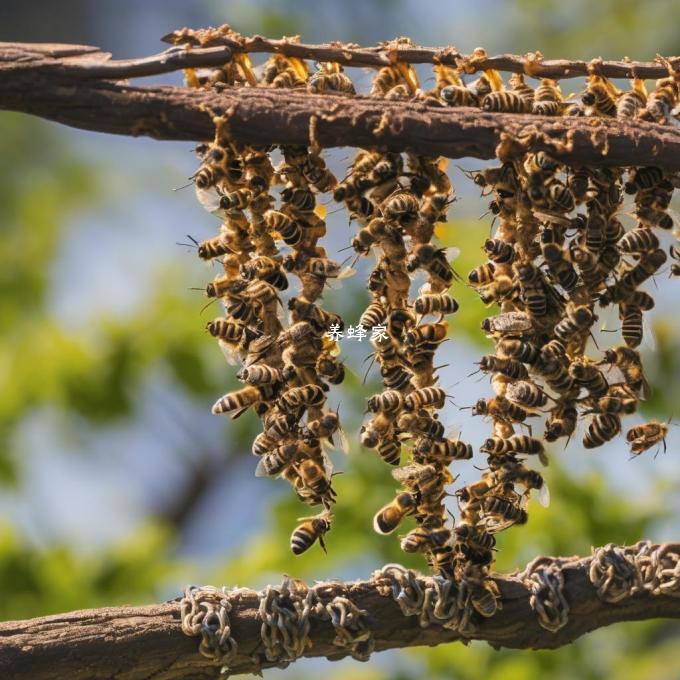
(95, 377)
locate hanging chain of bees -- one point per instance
(560, 256)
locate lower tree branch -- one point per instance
(143, 642)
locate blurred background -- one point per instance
(119, 486)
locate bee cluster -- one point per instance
(559, 256)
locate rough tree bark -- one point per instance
(78, 91)
(142, 642)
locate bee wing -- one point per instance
(344, 441)
(230, 354)
(210, 200)
(261, 470)
(544, 495)
(346, 273)
(451, 253)
(648, 335)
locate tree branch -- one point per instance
(142, 642)
(268, 116)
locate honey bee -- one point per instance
(559, 266)
(395, 376)
(661, 101)
(425, 396)
(387, 78)
(628, 361)
(508, 324)
(475, 543)
(261, 374)
(311, 530)
(285, 227)
(508, 367)
(420, 424)
(499, 251)
(517, 473)
(377, 429)
(299, 199)
(631, 324)
(643, 437)
(273, 463)
(590, 377)
(313, 476)
(513, 348)
(433, 260)
(240, 400)
(401, 208)
(526, 395)
(647, 177)
(602, 428)
(482, 275)
(532, 289)
(507, 101)
(547, 99)
(561, 422)
(389, 517)
(443, 451)
(330, 368)
(427, 334)
(633, 101)
(576, 322)
(302, 397)
(390, 450)
(422, 539)
(501, 513)
(517, 444)
(441, 304)
(614, 404)
(323, 82)
(278, 424)
(459, 95)
(499, 408)
(599, 96)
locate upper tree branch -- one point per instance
(143, 642)
(267, 116)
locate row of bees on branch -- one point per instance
(549, 270)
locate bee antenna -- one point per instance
(183, 186)
(192, 239)
(207, 305)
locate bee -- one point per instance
(213, 247)
(444, 451)
(287, 228)
(647, 177)
(330, 368)
(517, 444)
(631, 324)
(279, 424)
(240, 400)
(302, 397)
(313, 477)
(499, 251)
(420, 424)
(630, 103)
(299, 199)
(599, 96)
(426, 396)
(433, 260)
(517, 473)
(654, 218)
(429, 333)
(547, 99)
(602, 428)
(459, 95)
(389, 402)
(214, 162)
(323, 81)
(434, 207)
(390, 450)
(639, 240)
(507, 101)
(475, 542)
(590, 377)
(395, 377)
(508, 367)
(422, 539)
(326, 426)
(375, 430)
(576, 322)
(643, 437)
(288, 79)
(532, 289)
(499, 408)
(263, 444)
(661, 101)
(389, 517)
(559, 266)
(261, 374)
(273, 463)
(311, 530)
(498, 508)
(508, 324)
(514, 348)
(628, 361)
(526, 395)
(482, 275)
(561, 422)
(401, 208)
(441, 304)
(239, 199)
(401, 319)
(386, 78)
(614, 404)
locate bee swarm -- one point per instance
(559, 255)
